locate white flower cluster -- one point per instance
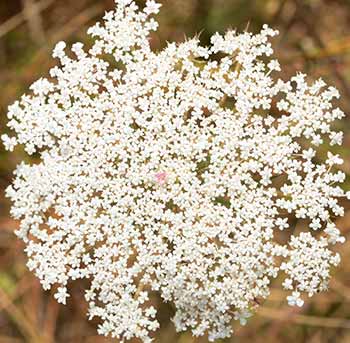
(174, 172)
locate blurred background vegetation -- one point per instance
(314, 38)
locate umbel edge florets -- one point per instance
(173, 172)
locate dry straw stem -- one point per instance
(50, 324)
(76, 23)
(337, 47)
(280, 315)
(19, 18)
(322, 46)
(22, 286)
(34, 20)
(67, 30)
(279, 296)
(341, 289)
(26, 327)
(53, 36)
(8, 339)
(332, 49)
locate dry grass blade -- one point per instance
(77, 22)
(22, 287)
(334, 48)
(19, 18)
(32, 15)
(341, 289)
(50, 323)
(8, 339)
(26, 328)
(280, 315)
